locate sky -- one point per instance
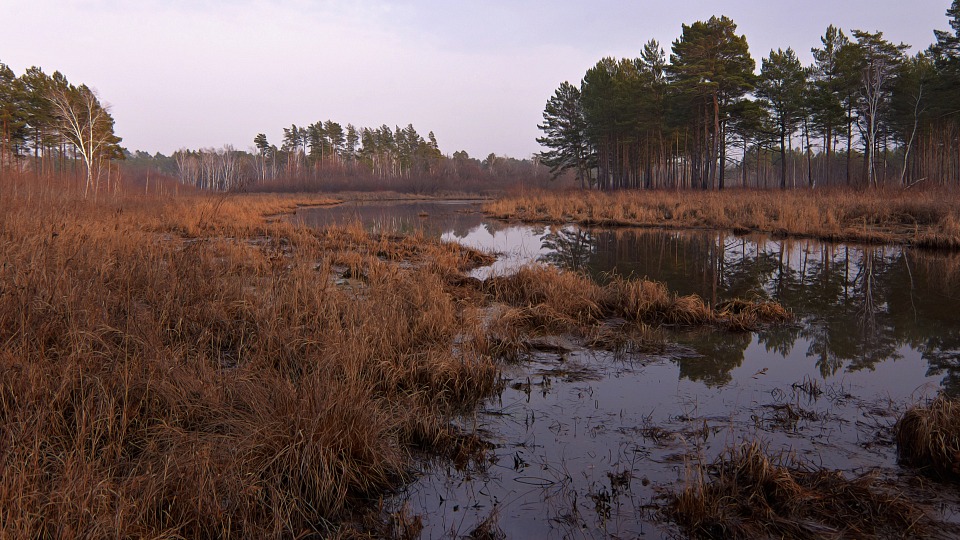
(204, 73)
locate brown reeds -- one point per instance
(928, 438)
(544, 299)
(185, 368)
(746, 493)
(922, 218)
(194, 367)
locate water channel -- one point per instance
(588, 442)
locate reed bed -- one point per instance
(553, 300)
(194, 367)
(625, 315)
(746, 493)
(928, 438)
(187, 369)
(921, 218)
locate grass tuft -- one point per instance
(746, 493)
(928, 437)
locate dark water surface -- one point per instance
(588, 441)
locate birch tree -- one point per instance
(881, 61)
(83, 121)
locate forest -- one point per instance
(52, 128)
(864, 113)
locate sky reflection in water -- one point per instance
(877, 329)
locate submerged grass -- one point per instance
(922, 218)
(746, 493)
(928, 438)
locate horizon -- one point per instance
(477, 76)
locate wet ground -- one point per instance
(587, 442)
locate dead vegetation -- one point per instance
(921, 218)
(543, 300)
(928, 438)
(185, 368)
(194, 367)
(746, 493)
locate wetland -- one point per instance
(590, 442)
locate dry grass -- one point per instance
(548, 300)
(921, 218)
(622, 316)
(195, 368)
(928, 437)
(186, 368)
(750, 495)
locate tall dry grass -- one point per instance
(194, 367)
(544, 300)
(928, 438)
(923, 218)
(187, 368)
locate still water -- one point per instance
(587, 442)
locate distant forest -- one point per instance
(53, 129)
(328, 156)
(863, 114)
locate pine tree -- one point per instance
(826, 100)
(564, 131)
(712, 65)
(12, 120)
(781, 90)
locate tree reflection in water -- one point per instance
(856, 306)
(571, 247)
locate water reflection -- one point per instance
(569, 247)
(876, 327)
(856, 305)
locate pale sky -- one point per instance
(201, 73)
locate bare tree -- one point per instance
(86, 124)
(880, 61)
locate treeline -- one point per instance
(326, 148)
(863, 114)
(327, 156)
(49, 126)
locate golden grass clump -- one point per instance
(540, 300)
(552, 299)
(746, 493)
(650, 302)
(928, 438)
(186, 368)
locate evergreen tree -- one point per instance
(564, 131)
(12, 120)
(826, 98)
(781, 90)
(712, 65)
(351, 140)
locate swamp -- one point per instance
(590, 441)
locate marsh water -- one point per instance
(588, 442)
